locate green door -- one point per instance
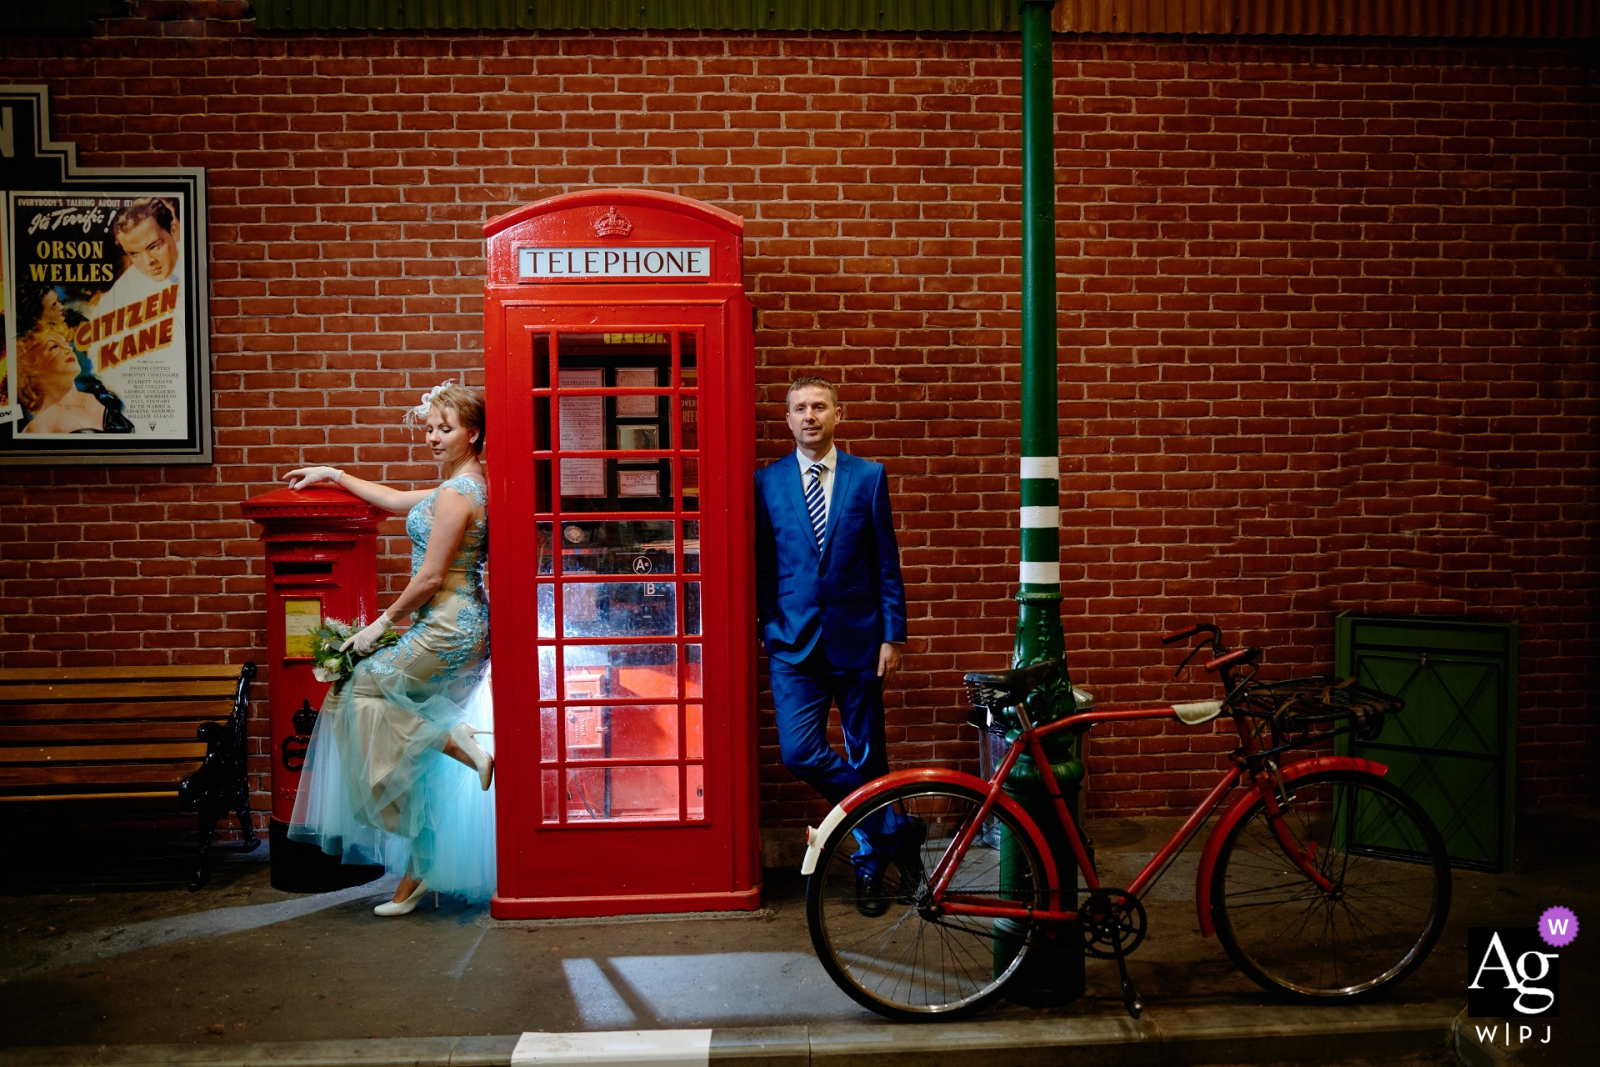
(1453, 747)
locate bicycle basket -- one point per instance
(1301, 703)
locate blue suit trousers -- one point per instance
(802, 694)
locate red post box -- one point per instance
(322, 562)
(621, 397)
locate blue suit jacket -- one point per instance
(848, 595)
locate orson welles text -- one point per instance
(72, 262)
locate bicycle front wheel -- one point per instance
(1385, 910)
(905, 961)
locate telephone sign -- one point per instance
(632, 264)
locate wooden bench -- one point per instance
(130, 734)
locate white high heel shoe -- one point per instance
(463, 735)
(406, 906)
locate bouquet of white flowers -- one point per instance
(333, 665)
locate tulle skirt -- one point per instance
(376, 786)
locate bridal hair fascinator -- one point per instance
(419, 414)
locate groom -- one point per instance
(832, 609)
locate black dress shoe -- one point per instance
(908, 856)
(870, 900)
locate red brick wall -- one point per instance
(1327, 329)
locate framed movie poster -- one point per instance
(103, 275)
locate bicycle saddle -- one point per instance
(1005, 689)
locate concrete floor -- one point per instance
(107, 947)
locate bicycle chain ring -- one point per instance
(1112, 923)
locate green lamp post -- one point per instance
(1055, 974)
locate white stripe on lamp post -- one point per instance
(1041, 573)
(1041, 467)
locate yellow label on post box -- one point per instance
(301, 620)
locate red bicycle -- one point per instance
(1322, 880)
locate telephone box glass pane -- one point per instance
(691, 608)
(583, 418)
(691, 420)
(694, 742)
(619, 609)
(541, 485)
(620, 672)
(632, 547)
(546, 552)
(623, 731)
(547, 673)
(541, 361)
(548, 748)
(696, 791)
(692, 673)
(691, 485)
(582, 479)
(686, 358)
(622, 793)
(691, 547)
(547, 610)
(541, 424)
(550, 800)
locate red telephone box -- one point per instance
(621, 397)
(322, 553)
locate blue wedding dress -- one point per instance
(376, 786)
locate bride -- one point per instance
(377, 786)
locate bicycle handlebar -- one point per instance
(1234, 658)
(1197, 628)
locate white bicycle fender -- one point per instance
(816, 837)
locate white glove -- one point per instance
(312, 475)
(363, 641)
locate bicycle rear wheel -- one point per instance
(910, 964)
(1387, 907)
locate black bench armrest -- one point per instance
(222, 786)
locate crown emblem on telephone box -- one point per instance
(612, 224)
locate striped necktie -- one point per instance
(816, 505)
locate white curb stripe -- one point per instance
(614, 1048)
(1041, 467)
(1041, 518)
(1041, 573)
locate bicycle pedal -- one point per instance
(1131, 998)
